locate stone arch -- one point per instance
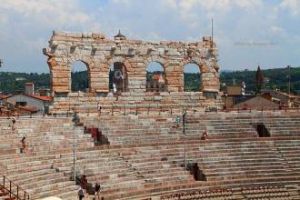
(104, 68)
(157, 59)
(192, 77)
(195, 61)
(155, 77)
(119, 59)
(118, 77)
(79, 71)
(161, 61)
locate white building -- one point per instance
(38, 104)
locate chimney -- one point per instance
(44, 92)
(29, 88)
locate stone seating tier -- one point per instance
(33, 170)
(146, 156)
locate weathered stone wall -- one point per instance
(141, 103)
(99, 53)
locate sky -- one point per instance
(248, 33)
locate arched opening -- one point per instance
(262, 130)
(79, 77)
(197, 173)
(118, 78)
(192, 78)
(155, 78)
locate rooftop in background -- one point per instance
(42, 98)
(234, 90)
(3, 96)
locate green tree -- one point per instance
(259, 80)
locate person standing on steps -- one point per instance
(99, 108)
(23, 145)
(97, 190)
(83, 182)
(12, 122)
(80, 194)
(204, 135)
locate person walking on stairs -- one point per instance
(97, 190)
(23, 145)
(80, 194)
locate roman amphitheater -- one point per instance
(144, 141)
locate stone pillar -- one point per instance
(174, 76)
(210, 79)
(98, 75)
(60, 76)
(137, 76)
(103, 83)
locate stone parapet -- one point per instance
(132, 102)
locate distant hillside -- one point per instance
(11, 82)
(278, 78)
(274, 79)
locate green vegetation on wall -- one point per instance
(12, 82)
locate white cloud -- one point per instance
(170, 3)
(126, 2)
(249, 4)
(277, 30)
(215, 5)
(3, 18)
(50, 12)
(26, 25)
(292, 5)
(190, 11)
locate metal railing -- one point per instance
(14, 191)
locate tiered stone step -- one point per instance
(283, 126)
(134, 130)
(222, 128)
(241, 160)
(290, 151)
(266, 192)
(142, 158)
(128, 130)
(47, 139)
(223, 194)
(147, 155)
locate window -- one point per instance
(21, 103)
(192, 78)
(79, 77)
(155, 78)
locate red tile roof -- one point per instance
(43, 98)
(2, 96)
